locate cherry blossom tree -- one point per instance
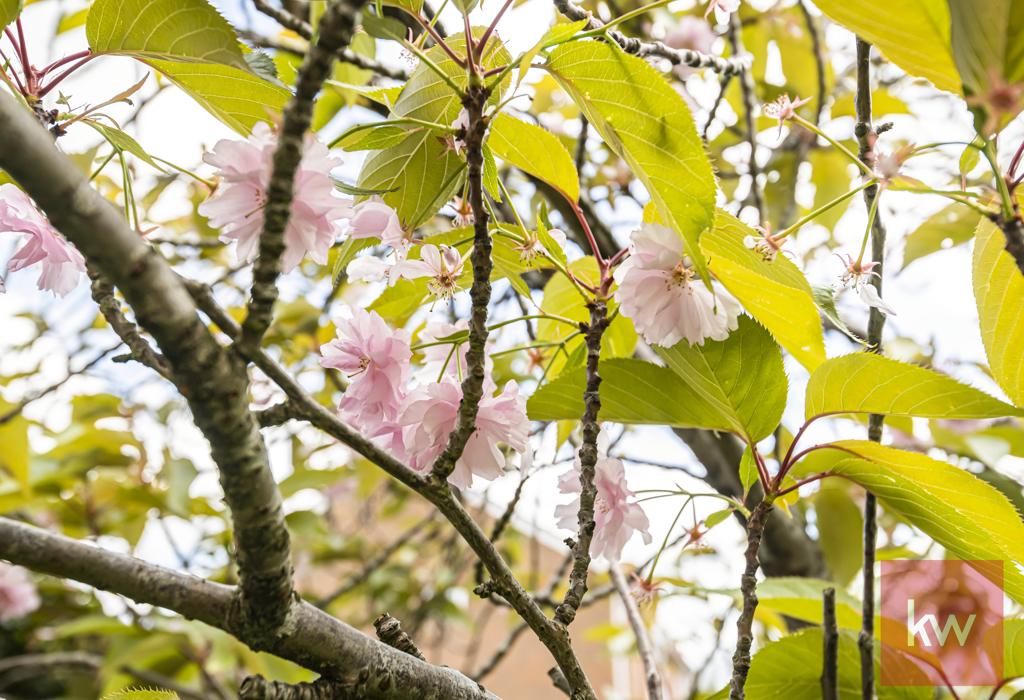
(426, 260)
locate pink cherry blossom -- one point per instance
(375, 219)
(18, 595)
(858, 276)
(376, 359)
(616, 517)
(722, 9)
(62, 264)
(463, 212)
(691, 33)
(784, 109)
(532, 248)
(661, 292)
(236, 207)
(431, 414)
(443, 265)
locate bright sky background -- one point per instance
(933, 298)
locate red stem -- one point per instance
(470, 45)
(826, 446)
(67, 59)
(53, 83)
(439, 40)
(589, 234)
(490, 30)
(802, 482)
(762, 469)
(14, 73)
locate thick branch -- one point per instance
(553, 635)
(643, 640)
(566, 612)
(214, 383)
(337, 26)
(474, 102)
(319, 642)
(748, 589)
(876, 321)
(643, 49)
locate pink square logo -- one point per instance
(942, 623)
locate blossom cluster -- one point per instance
(61, 265)
(18, 595)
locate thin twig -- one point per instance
(337, 26)
(643, 49)
(749, 106)
(876, 322)
(643, 640)
(748, 589)
(830, 647)
(566, 612)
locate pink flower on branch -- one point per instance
(616, 516)
(61, 263)
(660, 291)
(858, 276)
(784, 109)
(236, 207)
(722, 9)
(18, 595)
(376, 360)
(375, 219)
(431, 415)
(443, 265)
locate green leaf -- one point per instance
(411, 6)
(237, 97)
(422, 170)
(799, 597)
(946, 228)
(999, 293)
(967, 516)
(123, 142)
(536, 151)
(800, 655)
(741, 378)
(840, 527)
(9, 11)
(776, 293)
(178, 30)
(648, 124)
(868, 383)
(913, 34)
(142, 694)
(562, 299)
(825, 300)
(704, 388)
(556, 34)
(748, 469)
(15, 456)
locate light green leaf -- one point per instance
(706, 390)
(840, 528)
(825, 300)
(562, 299)
(535, 151)
(422, 170)
(776, 293)
(142, 694)
(946, 228)
(15, 456)
(999, 293)
(958, 510)
(9, 11)
(741, 378)
(123, 142)
(868, 383)
(556, 34)
(179, 30)
(237, 97)
(375, 138)
(913, 34)
(801, 656)
(647, 123)
(748, 469)
(801, 598)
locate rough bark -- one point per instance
(213, 381)
(748, 589)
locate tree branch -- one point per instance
(337, 25)
(830, 647)
(643, 640)
(319, 641)
(213, 381)
(748, 589)
(566, 612)
(474, 102)
(749, 105)
(876, 321)
(643, 49)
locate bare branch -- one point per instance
(141, 350)
(337, 25)
(748, 589)
(213, 381)
(319, 641)
(566, 612)
(643, 640)
(830, 648)
(677, 57)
